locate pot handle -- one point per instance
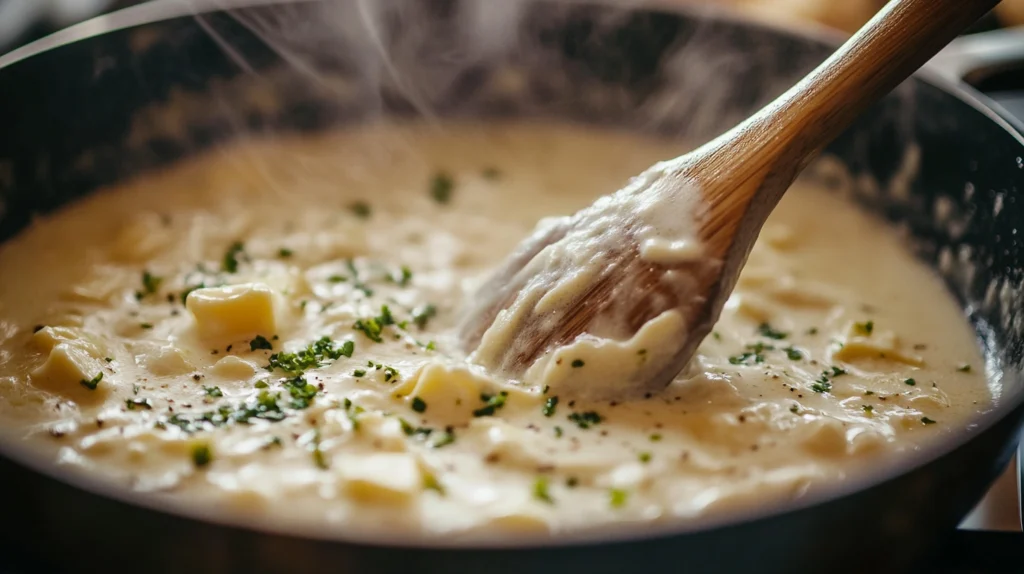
(980, 59)
(990, 62)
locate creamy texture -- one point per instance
(311, 377)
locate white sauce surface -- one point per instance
(837, 349)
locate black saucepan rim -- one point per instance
(141, 15)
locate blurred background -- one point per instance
(22, 21)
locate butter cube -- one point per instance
(64, 370)
(233, 312)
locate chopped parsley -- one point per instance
(421, 315)
(655, 437)
(794, 354)
(359, 373)
(577, 363)
(836, 371)
(645, 457)
(150, 284)
(213, 391)
(491, 404)
(822, 385)
(202, 454)
(549, 406)
(441, 439)
(92, 383)
(138, 404)
(617, 497)
(795, 409)
(965, 368)
(868, 408)
(231, 258)
(766, 330)
(585, 420)
(910, 382)
(146, 325)
(403, 277)
(312, 440)
(558, 432)
(419, 405)
(285, 253)
(430, 482)
(302, 392)
(263, 406)
(373, 327)
(865, 328)
(540, 490)
(313, 356)
(441, 187)
(927, 421)
(361, 209)
(260, 343)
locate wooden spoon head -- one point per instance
(596, 276)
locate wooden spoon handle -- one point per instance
(784, 136)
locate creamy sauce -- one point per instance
(346, 259)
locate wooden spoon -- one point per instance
(599, 275)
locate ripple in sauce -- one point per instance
(269, 331)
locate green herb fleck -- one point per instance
(138, 404)
(617, 497)
(260, 343)
(302, 392)
(359, 373)
(965, 368)
(558, 432)
(441, 187)
(822, 385)
(836, 371)
(549, 406)
(361, 209)
(403, 277)
(577, 363)
(540, 490)
(910, 382)
(202, 455)
(585, 420)
(795, 409)
(794, 354)
(92, 383)
(491, 404)
(146, 325)
(418, 404)
(927, 421)
(213, 391)
(491, 173)
(285, 253)
(865, 328)
(234, 253)
(655, 437)
(645, 457)
(261, 384)
(430, 482)
(150, 283)
(766, 330)
(421, 315)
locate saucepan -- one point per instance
(146, 87)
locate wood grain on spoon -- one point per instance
(738, 179)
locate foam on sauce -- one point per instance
(310, 377)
